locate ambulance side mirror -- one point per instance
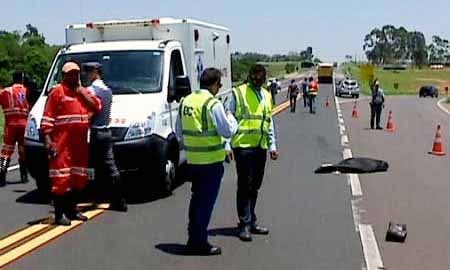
(182, 88)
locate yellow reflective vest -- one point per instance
(254, 117)
(202, 143)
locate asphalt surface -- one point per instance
(20, 204)
(309, 216)
(415, 191)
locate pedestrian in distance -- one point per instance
(304, 86)
(15, 107)
(376, 106)
(107, 176)
(203, 124)
(274, 90)
(313, 90)
(65, 125)
(292, 95)
(252, 106)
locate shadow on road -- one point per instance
(136, 190)
(230, 232)
(174, 249)
(32, 197)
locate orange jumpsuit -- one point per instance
(66, 120)
(15, 107)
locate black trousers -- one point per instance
(312, 103)
(375, 112)
(293, 103)
(305, 100)
(206, 181)
(107, 176)
(250, 165)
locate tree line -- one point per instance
(241, 62)
(397, 45)
(27, 52)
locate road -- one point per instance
(310, 216)
(415, 190)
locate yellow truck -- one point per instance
(325, 73)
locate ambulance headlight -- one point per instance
(141, 129)
(32, 131)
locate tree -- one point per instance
(392, 45)
(27, 52)
(439, 50)
(418, 48)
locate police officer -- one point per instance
(101, 146)
(202, 122)
(252, 106)
(376, 106)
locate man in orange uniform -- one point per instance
(65, 126)
(13, 100)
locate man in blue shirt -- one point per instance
(305, 90)
(205, 165)
(101, 151)
(251, 160)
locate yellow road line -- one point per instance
(9, 240)
(40, 239)
(283, 106)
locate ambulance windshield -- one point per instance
(125, 72)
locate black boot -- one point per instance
(23, 171)
(71, 208)
(118, 202)
(4, 164)
(59, 203)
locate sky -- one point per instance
(333, 28)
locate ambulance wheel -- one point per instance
(167, 168)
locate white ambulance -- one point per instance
(149, 65)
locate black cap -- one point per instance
(92, 65)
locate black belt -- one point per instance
(100, 129)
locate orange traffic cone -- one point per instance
(327, 104)
(438, 148)
(390, 123)
(355, 112)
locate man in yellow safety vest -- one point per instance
(252, 106)
(203, 123)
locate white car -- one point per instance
(348, 87)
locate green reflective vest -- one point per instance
(202, 143)
(253, 116)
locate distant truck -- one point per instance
(325, 73)
(149, 65)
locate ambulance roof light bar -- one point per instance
(143, 23)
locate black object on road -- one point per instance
(355, 165)
(396, 232)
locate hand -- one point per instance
(50, 147)
(274, 155)
(230, 156)
(51, 151)
(78, 90)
